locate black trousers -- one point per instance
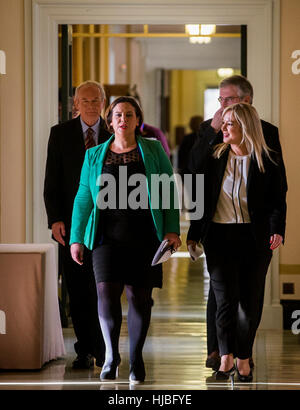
(81, 287)
(237, 268)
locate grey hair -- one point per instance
(91, 83)
(243, 85)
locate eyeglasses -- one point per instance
(227, 99)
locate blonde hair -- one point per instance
(252, 133)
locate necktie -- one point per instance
(89, 140)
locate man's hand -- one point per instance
(216, 122)
(59, 231)
(77, 252)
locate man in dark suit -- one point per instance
(68, 142)
(232, 90)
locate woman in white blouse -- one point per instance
(243, 222)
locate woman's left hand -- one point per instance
(275, 241)
(173, 239)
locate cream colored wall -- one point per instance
(12, 124)
(187, 95)
(290, 130)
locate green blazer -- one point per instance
(85, 217)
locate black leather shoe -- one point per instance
(245, 379)
(83, 362)
(213, 362)
(251, 363)
(137, 373)
(220, 375)
(99, 362)
(110, 370)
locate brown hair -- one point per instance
(125, 99)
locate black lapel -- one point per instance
(250, 173)
(77, 138)
(221, 169)
(219, 166)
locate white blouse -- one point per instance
(232, 203)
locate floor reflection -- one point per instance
(175, 349)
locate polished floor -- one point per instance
(175, 349)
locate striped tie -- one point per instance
(89, 140)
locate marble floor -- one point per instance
(175, 349)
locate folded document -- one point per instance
(163, 253)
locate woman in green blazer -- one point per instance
(125, 206)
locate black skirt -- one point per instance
(126, 264)
(126, 242)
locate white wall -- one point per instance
(180, 54)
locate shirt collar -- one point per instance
(85, 127)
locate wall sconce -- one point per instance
(2, 62)
(225, 72)
(123, 67)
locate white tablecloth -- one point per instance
(29, 305)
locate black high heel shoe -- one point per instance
(110, 371)
(244, 378)
(229, 374)
(137, 373)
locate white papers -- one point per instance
(195, 254)
(163, 253)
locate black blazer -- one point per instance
(65, 157)
(266, 192)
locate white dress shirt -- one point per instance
(232, 203)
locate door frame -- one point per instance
(42, 18)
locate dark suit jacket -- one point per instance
(65, 157)
(266, 192)
(184, 152)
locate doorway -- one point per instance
(41, 25)
(167, 67)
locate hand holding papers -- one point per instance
(195, 254)
(163, 253)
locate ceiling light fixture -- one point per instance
(201, 31)
(225, 72)
(200, 40)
